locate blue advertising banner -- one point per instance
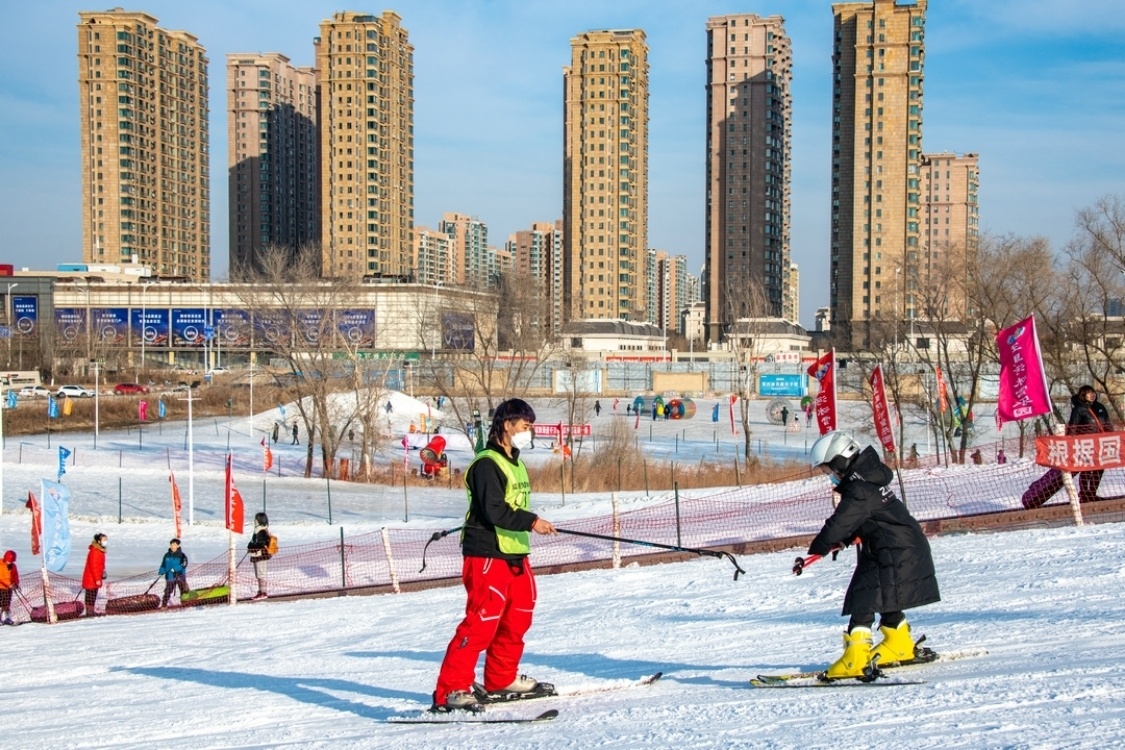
(457, 331)
(271, 326)
(232, 327)
(110, 324)
(782, 385)
(313, 325)
(357, 328)
(25, 312)
(187, 326)
(70, 324)
(151, 324)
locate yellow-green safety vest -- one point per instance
(517, 494)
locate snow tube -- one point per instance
(123, 605)
(63, 611)
(209, 595)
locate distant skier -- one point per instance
(894, 570)
(296, 440)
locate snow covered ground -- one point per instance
(1037, 615)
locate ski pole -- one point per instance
(702, 552)
(153, 583)
(437, 536)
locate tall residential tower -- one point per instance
(146, 194)
(365, 66)
(271, 156)
(878, 63)
(749, 110)
(605, 175)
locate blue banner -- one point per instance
(64, 454)
(232, 327)
(110, 324)
(357, 328)
(25, 311)
(457, 332)
(161, 409)
(70, 324)
(150, 325)
(313, 325)
(12, 399)
(56, 524)
(52, 407)
(271, 326)
(187, 326)
(782, 385)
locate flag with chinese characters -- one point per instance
(142, 411)
(52, 408)
(36, 522)
(12, 399)
(161, 409)
(56, 524)
(233, 501)
(824, 405)
(267, 456)
(177, 504)
(943, 402)
(881, 411)
(64, 454)
(1023, 383)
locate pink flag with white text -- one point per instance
(881, 411)
(1023, 383)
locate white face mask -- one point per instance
(521, 440)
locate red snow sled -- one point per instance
(63, 611)
(124, 605)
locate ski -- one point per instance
(485, 698)
(817, 683)
(473, 717)
(922, 655)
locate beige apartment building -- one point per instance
(605, 175)
(433, 257)
(950, 234)
(143, 122)
(365, 65)
(272, 155)
(877, 204)
(468, 243)
(537, 259)
(749, 120)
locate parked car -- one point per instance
(129, 389)
(34, 391)
(74, 391)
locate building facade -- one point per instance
(272, 153)
(876, 211)
(365, 68)
(605, 175)
(433, 257)
(749, 119)
(537, 257)
(950, 235)
(468, 237)
(143, 120)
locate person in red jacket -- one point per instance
(94, 573)
(9, 582)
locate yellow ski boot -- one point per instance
(897, 645)
(857, 655)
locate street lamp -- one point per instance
(191, 458)
(97, 419)
(144, 331)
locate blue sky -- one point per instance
(1036, 87)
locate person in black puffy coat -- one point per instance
(894, 569)
(1088, 416)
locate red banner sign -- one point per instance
(824, 370)
(560, 428)
(1080, 452)
(881, 411)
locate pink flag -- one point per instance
(267, 456)
(177, 504)
(824, 370)
(881, 411)
(733, 398)
(142, 410)
(36, 522)
(943, 402)
(1023, 383)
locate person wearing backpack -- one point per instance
(9, 582)
(262, 546)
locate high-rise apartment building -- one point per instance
(605, 175)
(146, 193)
(272, 153)
(950, 234)
(365, 68)
(537, 261)
(749, 113)
(433, 257)
(878, 65)
(468, 238)
(674, 290)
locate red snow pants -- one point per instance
(501, 599)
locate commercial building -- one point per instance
(605, 176)
(272, 156)
(365, 66)
(876, 203)
(749, 120)
(143, 122)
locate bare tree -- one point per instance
(748, 309)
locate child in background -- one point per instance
(259, 553)
(174, 569)
(9, 582)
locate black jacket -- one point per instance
(259, 543)
(894, 570)
(487, 509)
(1087, 417)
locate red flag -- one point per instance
(733, 398)
(267, 458)
(142, 410)
(824, 370)
(233, 501)
(943, 403)
(36, 522)
(177, 504)
(881, 411)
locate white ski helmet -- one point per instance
(836, 450)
